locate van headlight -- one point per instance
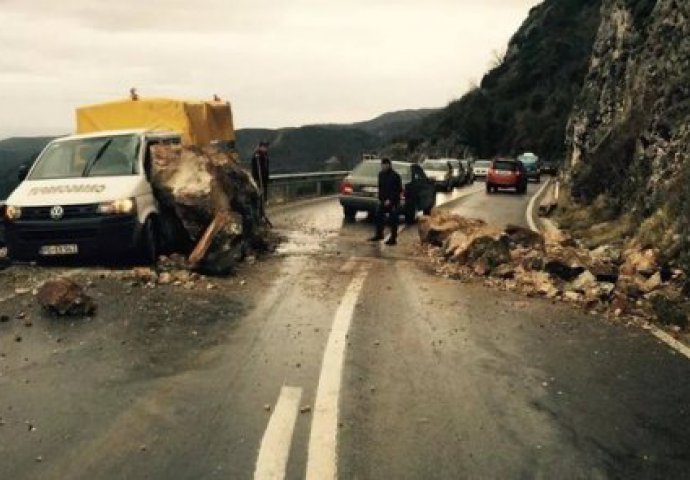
(13, 213)
(123, 206)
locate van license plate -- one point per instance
(370, 189)
(53, 250)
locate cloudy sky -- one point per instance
(280, 62)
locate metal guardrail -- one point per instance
(289, 186)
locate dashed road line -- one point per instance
(322, 458)
(273, 456)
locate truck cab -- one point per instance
(86, 195)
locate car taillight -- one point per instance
(346, 188)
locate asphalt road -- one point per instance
(335, 353)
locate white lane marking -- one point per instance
(463, 194)
(322, 458)
(669, 340)
(271, 463)
(350, 266)
(529, 213)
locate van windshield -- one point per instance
(88, 157)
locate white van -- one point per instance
(87, 195)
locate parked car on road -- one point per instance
(549, 167)
(532, 166)
(506, 173)
(440, 172)
(359, 191)
(481, 168)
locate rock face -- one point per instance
(65, 297)
(629, 132)
(207, 198)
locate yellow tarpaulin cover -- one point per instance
(199, 122)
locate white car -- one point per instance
(481, 168)
(439, 172)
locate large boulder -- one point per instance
(457, 245)
(437, 228)
(524, 237)
(63, 296)
(208, 201)
(640, 261)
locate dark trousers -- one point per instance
(393, 214)
(262, 183)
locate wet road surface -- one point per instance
(334, 355)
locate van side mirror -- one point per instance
(22, 172)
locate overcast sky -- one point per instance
(280, 62)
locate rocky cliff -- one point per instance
(523, 103)
(629, 132)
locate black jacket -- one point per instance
(260, 166)
(390, 186)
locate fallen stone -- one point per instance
(585, 281)
(652, 284)
(607, 253)
(524, 237)
(481, 267)
(643, 262)
(563, 270)
(437, 228)
(65, 297)
(505, 271)
(144, 274)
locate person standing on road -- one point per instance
(260, 168)
(390, 190)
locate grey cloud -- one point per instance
(280, 62)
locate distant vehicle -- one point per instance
(439, 171)
(359, 191)
(506, 173)
(370, 156)
(459, 176)
(532, 166)
(481, 168)
(468, 165)
(550, 167)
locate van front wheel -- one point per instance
(148, 242)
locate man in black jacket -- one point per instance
(260, 168)
(390, 190)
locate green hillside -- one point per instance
(524, 102)
(308, 148)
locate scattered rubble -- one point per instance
(630, 283)
(65, 297)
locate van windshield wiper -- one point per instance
(97, 157)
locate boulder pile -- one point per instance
(211, 207)
(629, 283)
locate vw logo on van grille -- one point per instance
(57, 212)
